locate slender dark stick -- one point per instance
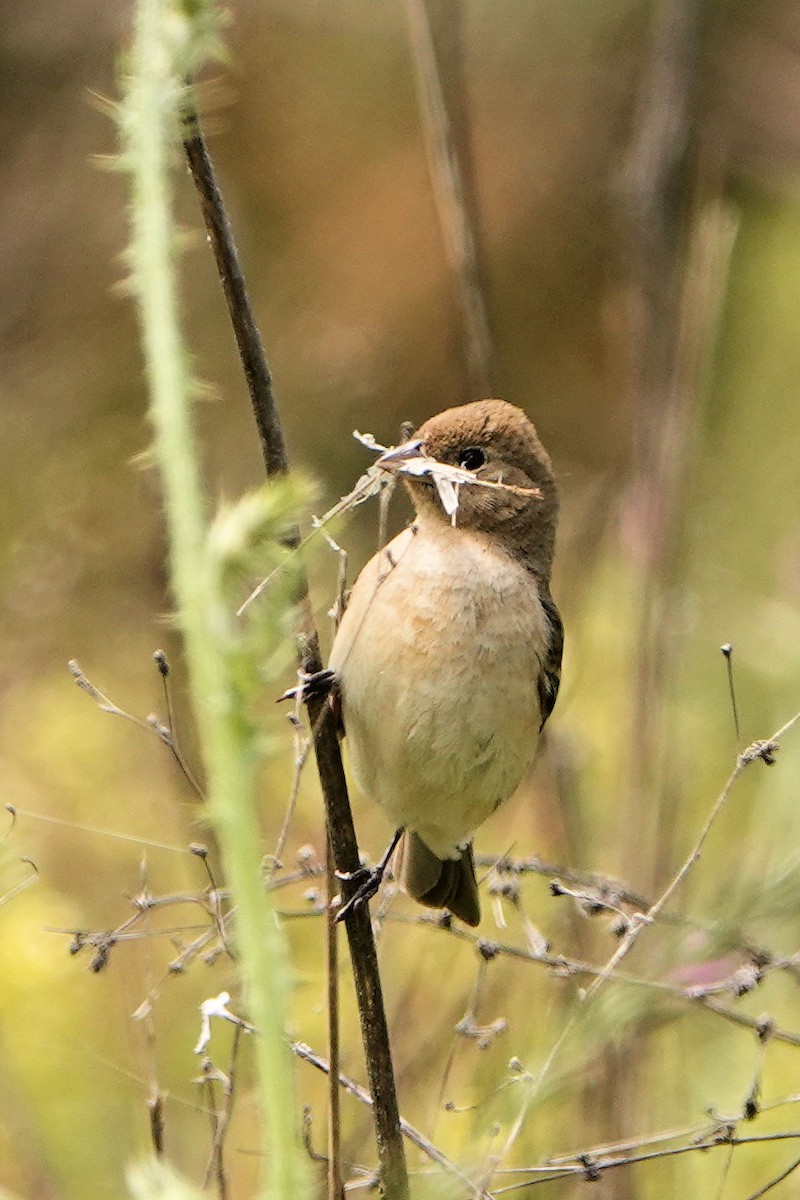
(341, 830)
(248, 338)
(363, 954)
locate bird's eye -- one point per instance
(471, 458)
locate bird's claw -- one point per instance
(366, 884)
(319, 683)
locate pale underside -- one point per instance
(438, 657)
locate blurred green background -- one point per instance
(631, 171)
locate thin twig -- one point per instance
(169, 733)
(215, 1165)
(727, 651)
(698, 1133)
(164, 733)
(156, 1097)
(215, 899)
(25, 883)
(604, 885)
(101, 700)
(563, 966)
(590, 1168)
(302, 749)
(762, 750)
(77, 827)
(248, 338)
(604, 893)
(774, 1182)
(414, 1136)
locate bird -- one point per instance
(447, 662)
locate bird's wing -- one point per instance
(550, 674)
(362, 597)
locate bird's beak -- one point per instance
(401, 458)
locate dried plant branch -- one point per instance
(414, 1136)
(790, 1170)
(302, 749)
(23, 884)
(564, 966)
(758, 750)
(221, 1115)
(598, 894)
(605, 886)
(590, 1168)
(169, 733)
(370, 484)
(165, 733)
(723, 1131)
(696, 1133)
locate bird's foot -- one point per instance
(366, 882)
(320, 683)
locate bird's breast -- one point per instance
(438, 657)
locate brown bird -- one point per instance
(448, 658)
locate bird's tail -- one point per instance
(439, 883)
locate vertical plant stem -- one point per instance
(162, 34)
(248, 339)
(449, 194)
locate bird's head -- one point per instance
(490, 442)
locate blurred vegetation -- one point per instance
(669, 546)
